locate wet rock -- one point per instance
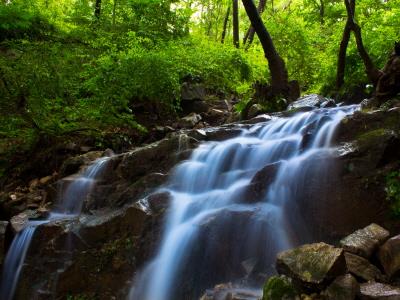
(312, 100)
(279, 287)
(362, 268)
(192, 91)
(189, 121)
(20, 221)
(228, 291)
(260, 183)
(328, 103)
(365, 241)
(312, 265)
(343, 287)
(389, 255)
(254, 111)
(378, 291)
(3, 227)
(159, 201)
(73, 164)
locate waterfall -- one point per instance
(69, 205)
(235, 204)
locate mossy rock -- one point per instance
(278, 288)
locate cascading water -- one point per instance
(69, 205)
(215, 227)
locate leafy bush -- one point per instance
(16, 22)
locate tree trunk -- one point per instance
(249, 37)
(279, 75)
(322, 11)
(97, 9)
(235, 18)
(342, 56)
(351, 26)
(113, 12)
(228, 12)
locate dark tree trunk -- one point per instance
(351, 26)
(113, 12)
(228, 12)
(249, 37)
(342, 56)
(97, 9)
(322, 11)
(235, 19)
(279, 75)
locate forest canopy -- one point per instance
(79, 67)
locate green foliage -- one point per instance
(17, 22)
(393, 191)
(278, 288)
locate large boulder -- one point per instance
(378, 291)
(192, 91)
(279, 287)
(344, 287)
(362, 268)
(365, 241)
(312, 266)
(229, 291)
(389, 255)
(307, 101)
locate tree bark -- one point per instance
(235, 19)
(277, 67)
(249, 37)
(97, 9)
(351, 26)
(228, 12)
(113, 12)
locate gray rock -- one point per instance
(189, 121)
(365, 241)
(192, 91)
(312, 100)
(328, 103)
(227, 291)
(389, 255)
(343, 287)
(379, 291)
(312, 265)
(254, 111)
(362, 268)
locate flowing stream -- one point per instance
(216, 225)
(69, 205)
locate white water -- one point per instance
(210, 188)
(69, 205)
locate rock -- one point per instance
(192, 91)
(328, 103)
(46, 180)
(228, 291)
(159, 201)
(73, 164)
(312, 265)
(196, 106)
(312, 100)
(365, 241)
(254, 111)
(362, 268)
(260, 183)
(3, 228)
(20, 221)
(389, 256)
(279, 287)
(189, 121)
(344, 287)
(378, 291)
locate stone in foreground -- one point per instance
(365, 241)
(343, 287)
(312, 266)
(378, 291)
(230, 292)
(362, 268)
(389, 256)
